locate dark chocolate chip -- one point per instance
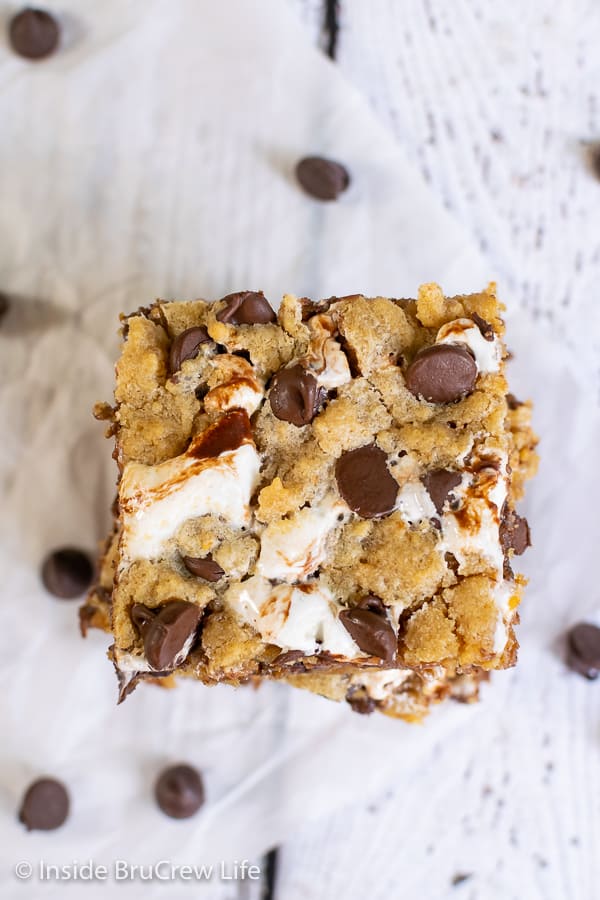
(594, 158)
(512, 401)
(225, 435)
(322, 178)
(4, 305)
(168, 632)
(67, 573)
(442, 373)
(583, 650)
(45, 805)
(295, 395)
(179, 791)
(33, 33)
(361, 703)
(485, 328)
(246, 308)
(204, 567)
(369, 626)
(439, 483)
(365, 483)
(460, 878)
(514, 532)
(186, 346)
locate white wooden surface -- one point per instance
(496, 104)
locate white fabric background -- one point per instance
(154, 157)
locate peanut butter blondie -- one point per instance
(324, 495)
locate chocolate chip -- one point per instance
(204, 567)
(168, 633)
(583, 650)
(594, 159)
(512, 402)
(322, 178)
(225, 435)
(361, 703)
(369, 626)
(246, 308)
(33, 33)
(485, 328)
(442, 373)
(514, 532)
(439, 483)
(179, 791)
(67, 573)
(365, 483)
(186, 346)
(295, 395)
(45, 805)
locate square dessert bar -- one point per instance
(324, 495)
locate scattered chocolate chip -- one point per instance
(460, 878)
(4, 305)
(295, 395)
(583, 650)
(361, 703)
(45, 805)
(594, 159)
(322, 178)
(485, 328)
(365, 483)
(439, 483)
(33, 33)
(204, 567)
(514, 532)
(186, 346)
(67, 573)
(168, 632)
(179, 791)
(225, 435)
(246, 308)
(369, 626)
(442, 373)
(512, 401)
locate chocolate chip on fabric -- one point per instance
(67, 573)
(204, 567)
(45, 805)
(369, 626)
(179, 791)
(365, 483)
(442, 373)
(295, 395)
(439, 483)
(186, 346)
(246, 308)
(33, 33)
(583, 650)
(323, 179)
(168, 632)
